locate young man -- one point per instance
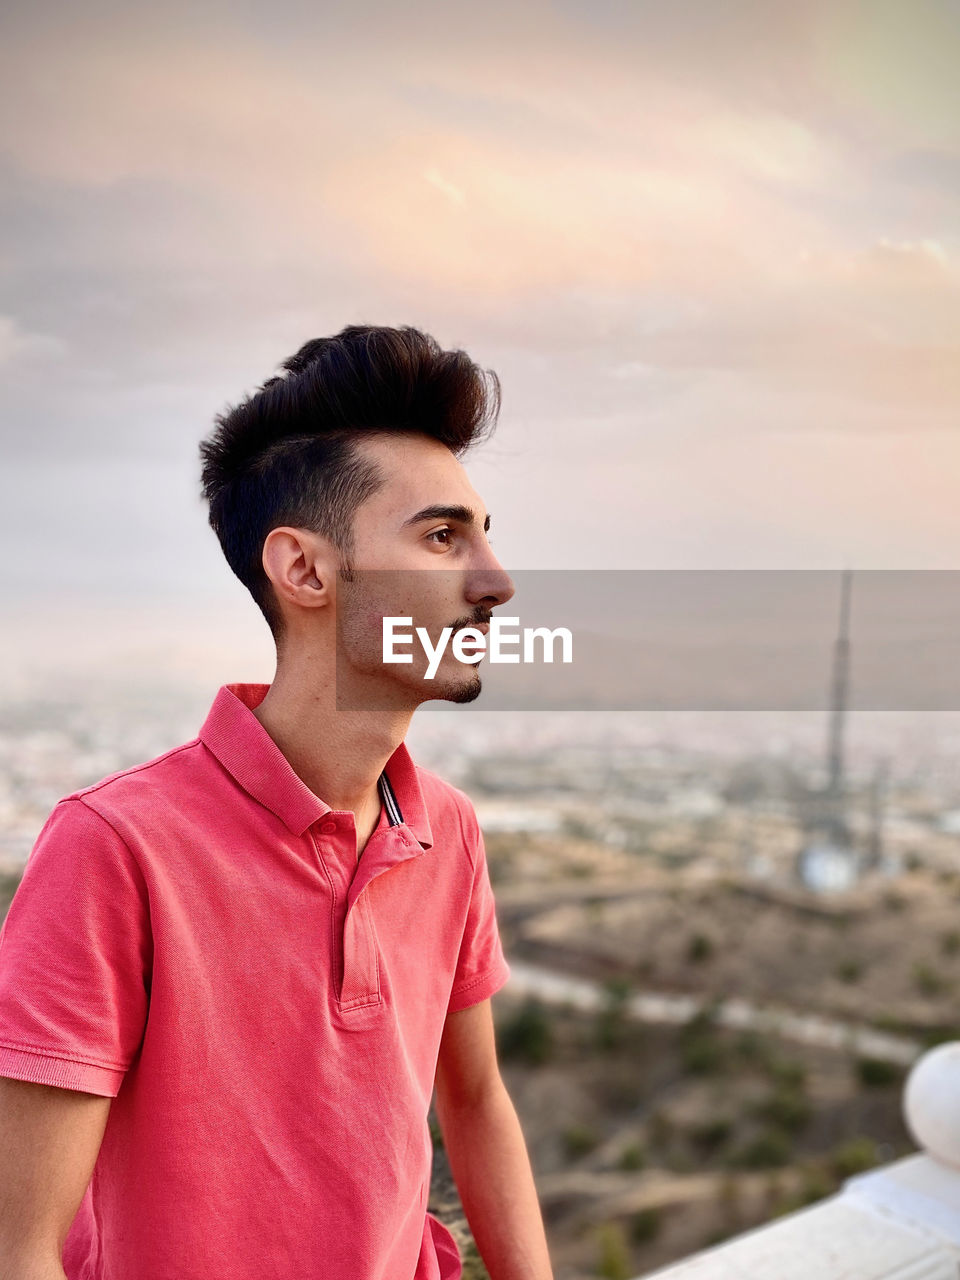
(232, 976)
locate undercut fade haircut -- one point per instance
(286, 455)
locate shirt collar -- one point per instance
(245, 749)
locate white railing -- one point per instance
(900, 1222)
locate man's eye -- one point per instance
(438, 532)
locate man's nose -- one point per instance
(490, 583)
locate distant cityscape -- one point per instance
(762, 776)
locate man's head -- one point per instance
(348, 462)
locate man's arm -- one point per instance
(49, 1140)
(487, 1151)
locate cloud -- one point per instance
(674, 230)
(453, 194)
(920, 260)
(19, 345)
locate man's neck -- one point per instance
(339, 755)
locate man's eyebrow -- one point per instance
(457, 511)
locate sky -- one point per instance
(712, 252)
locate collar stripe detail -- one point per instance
(394, 815)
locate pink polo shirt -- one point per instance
(195, 938)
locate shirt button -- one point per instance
(328, 827)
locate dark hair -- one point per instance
(286, 454)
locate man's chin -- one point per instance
(463, 690)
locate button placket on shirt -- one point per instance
(358, 958)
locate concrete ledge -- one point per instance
(901, 1222)
(848, 1237)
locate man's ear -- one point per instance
(302, 566)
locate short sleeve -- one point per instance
(481, 966)
(75, 956)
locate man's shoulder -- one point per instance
(447, 803)
(440, 791)
(122, 811)
(158, 779)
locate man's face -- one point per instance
(420, 551)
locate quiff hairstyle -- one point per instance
(286, 455)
